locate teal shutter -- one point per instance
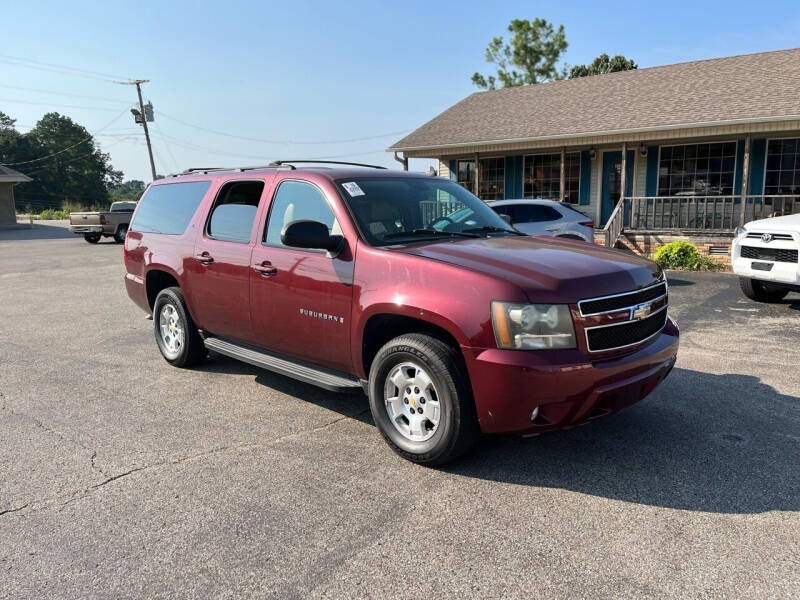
(758, 154)
(513, 178)
(585, 178)
(453, 167)
(651, 179)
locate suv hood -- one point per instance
(547, 269)
(785, 223)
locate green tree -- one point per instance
(64, 162)
(603, 64)
(128, 190)
(531, 55)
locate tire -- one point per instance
(761, 292)
(449, 398)
(92, 238)
(119, 236)
(181, 345)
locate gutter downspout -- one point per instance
(403, 161)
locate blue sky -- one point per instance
(319, 71)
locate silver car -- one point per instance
(536, 216)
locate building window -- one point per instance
(542, 176)
(465, 174)
(491, 179)
(783, 167)
(697, 169)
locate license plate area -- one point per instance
(761, 266)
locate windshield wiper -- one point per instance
(493, 229)
(429, 232)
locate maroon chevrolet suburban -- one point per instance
(404, 285)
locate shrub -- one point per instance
(54, 213)
(684, 255)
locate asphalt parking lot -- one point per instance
(121, 476)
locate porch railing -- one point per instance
(710, 213)
(614, 225)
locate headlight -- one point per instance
(532, 326)
(739, 231)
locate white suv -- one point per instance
(765, 257)
(537, 216)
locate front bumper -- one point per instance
(81, 229)
(566, 387)
(779, 272)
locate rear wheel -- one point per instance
(421, 401)
(92, 238)
(119, 236)
(760, 291)
(176, 335)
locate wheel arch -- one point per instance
(157, 279)
(380, 327)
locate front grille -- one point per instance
(772, 254)
(602, 305)
(775, 236)
(612, 337)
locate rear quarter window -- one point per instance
(168, 208)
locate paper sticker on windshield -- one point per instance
(353, 189)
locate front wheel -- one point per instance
(761, 292)
(119, 236)
(420, 399)
(176, 335)
(92, 238)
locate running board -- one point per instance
(302, 371)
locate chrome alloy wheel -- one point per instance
(412, 402)
(172, 335)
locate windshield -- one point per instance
(396, 210)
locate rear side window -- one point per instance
(234, 211)
(297, 201)
(168, 208)
(530, 213)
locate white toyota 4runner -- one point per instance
(764, 256)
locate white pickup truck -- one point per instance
(764, 255)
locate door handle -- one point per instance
(265, 268)
(204, 258)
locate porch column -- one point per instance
(624, 167)
(477, 171)
(745, 178)
(562, 181)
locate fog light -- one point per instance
(535, 413)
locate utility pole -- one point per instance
(138, 83)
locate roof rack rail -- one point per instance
(280, 163)
(210, 169)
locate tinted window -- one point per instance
(297, 201)
(530, 213)
(234, 211)
(123, 206)
(168, 208)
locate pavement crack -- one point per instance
(54, 432)
(13, 510)
(83, 492)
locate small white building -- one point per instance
(8, 179)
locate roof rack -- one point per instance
(280, 163)
(211, 169)
(277, 164)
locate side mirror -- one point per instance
(507, 219)
(312, 235)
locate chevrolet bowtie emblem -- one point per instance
(640, 311)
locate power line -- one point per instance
(27, 89)
(310, 143)
(13, 100)
(63, 69)
(25, 162)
